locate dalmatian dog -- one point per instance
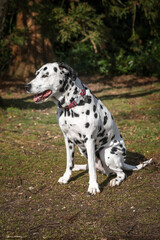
(85, 122)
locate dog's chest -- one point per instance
(77, 122)
(90, 120)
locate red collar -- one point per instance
(74, 103)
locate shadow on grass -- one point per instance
(78, 176)
(23, 103)
(127, 95)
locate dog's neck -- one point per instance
(69, 93)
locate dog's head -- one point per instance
(50, 79)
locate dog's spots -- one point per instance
(72, 113)
(60, 81)
(62, 101)
(121, 136)
(55, 69)
(72, 99)
(68, 94)
(104, 140)
(99, 128)
(44, 69)
(105, 120)
(69, 141)
(70, 147)
(66, 88)
(72, 154)
(77, 141)
(62, 89)
(85, 153)
(95, 115)
(68, 112)
(123, 152)
(87, 112)
(85, 140)
(79, 135)
(71, 167)
(75, 90)
(88, 99)
(61, 112)
(94, 108)
(76, 114)
(101, 106)
(101, 134)
(87, 125)
(113, 150)
(81, 103)
(65, 122)
(112, 137)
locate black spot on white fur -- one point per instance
(55, 69)
(87, 112)
(87, 125)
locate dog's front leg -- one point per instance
(93, 185)
(70, 161)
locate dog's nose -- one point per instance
(28, 87)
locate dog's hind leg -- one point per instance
(114, 165)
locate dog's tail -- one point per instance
(78, 167)
(126, 167)
(136, 168)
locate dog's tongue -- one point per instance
(42, 96)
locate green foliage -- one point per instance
(5, 54)
(82, 58)
(80, 23)
(111, 37)
(11, 34)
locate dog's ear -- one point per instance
(72, 73)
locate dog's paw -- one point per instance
(114, 182)
(93, 189)
(63, 180)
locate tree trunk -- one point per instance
(3, 12)
(34, 53)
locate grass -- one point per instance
(34, 206)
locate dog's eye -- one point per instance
(44, 76)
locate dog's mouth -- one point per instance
(41, 97)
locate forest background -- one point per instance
(110, 37)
